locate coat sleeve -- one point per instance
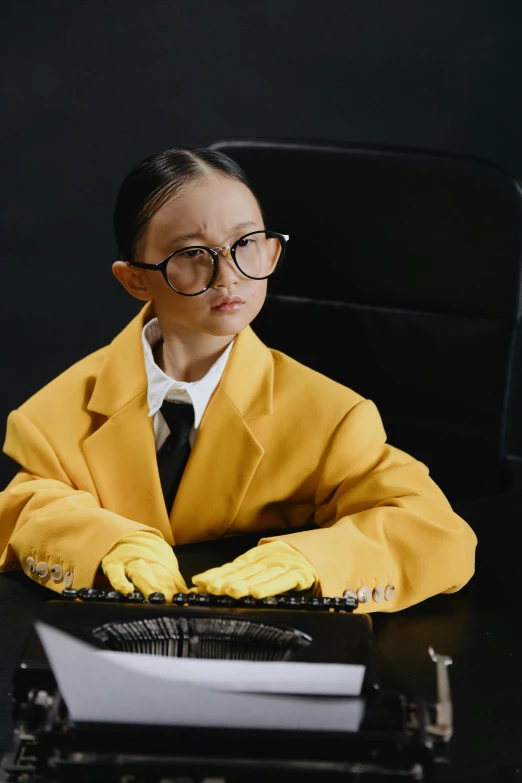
(383, 522)
(44, 518)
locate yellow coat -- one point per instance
(279, 446)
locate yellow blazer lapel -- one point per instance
(121, 454)
(226, 454)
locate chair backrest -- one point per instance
(402, 281)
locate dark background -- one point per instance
(92, 88)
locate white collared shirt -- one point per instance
(160, 387)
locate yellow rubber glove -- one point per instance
(268, 569)
(145, 562)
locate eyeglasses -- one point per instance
(192, 270)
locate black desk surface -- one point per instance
(478, 626)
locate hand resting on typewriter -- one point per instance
(267, 569)
(145, 562)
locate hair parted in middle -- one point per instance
(155, 180)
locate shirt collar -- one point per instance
(161, 387)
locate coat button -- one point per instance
(68, 578)
(56, 572)
(389, 593)
(363, 595)
(349, 594)
(378, 594)
(42, 569)
(31, 565)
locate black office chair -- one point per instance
(402, 281)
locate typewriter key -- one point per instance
(134, 598)
(270, 601)
(156, 598)
(288, 601)
(70, 593)
(315, 604)
(249, 600)
(89, 594)
(178, 599)
(201, 599)
(224, 600)
(111, 595)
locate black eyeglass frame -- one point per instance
(162, 265)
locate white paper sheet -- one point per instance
(106, 686)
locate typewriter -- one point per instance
(395, 740)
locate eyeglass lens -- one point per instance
(190, 271)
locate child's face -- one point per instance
(214, 211)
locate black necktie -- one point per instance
(174, 453)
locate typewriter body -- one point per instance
(395, 741)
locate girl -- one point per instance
(187, 428)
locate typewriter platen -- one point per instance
(395, 741)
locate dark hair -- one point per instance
(155, 180)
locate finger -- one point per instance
(213, 573)
(229, 573)
(238, 588)
(248, 571)
(219, 586)
(180, 584)
(171, 581)
(144, 578)
(280, 584)
(218, 583)
(239, 584)
(115, 573)
(213, 588)
(225, 586)
(260, 576)
(304, 579)
(234, 590)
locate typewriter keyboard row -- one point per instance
(288, 601)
